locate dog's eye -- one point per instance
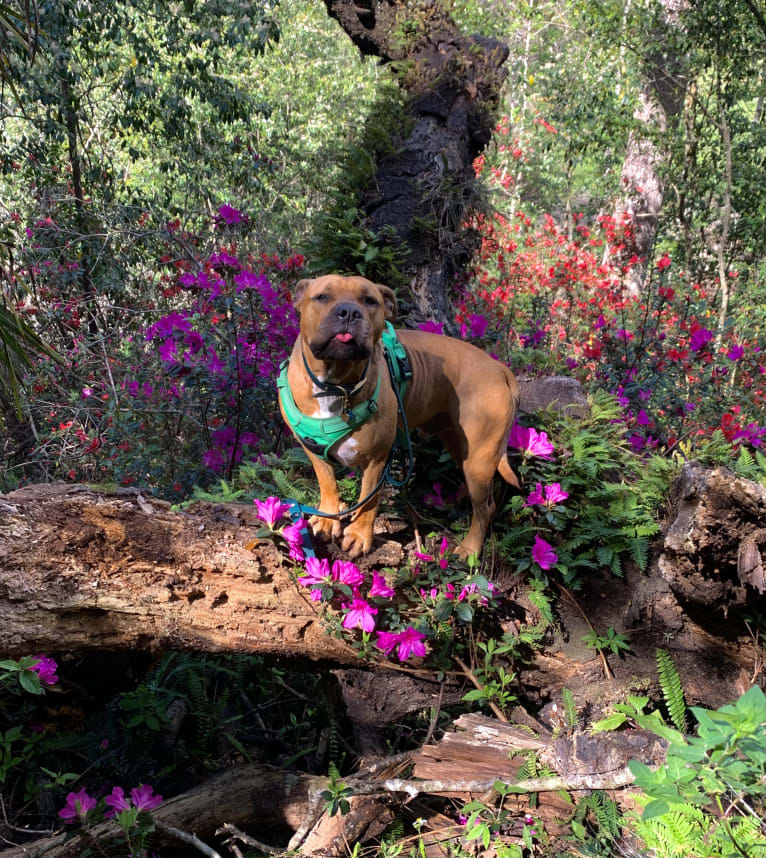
(370, 301)
(321, 297)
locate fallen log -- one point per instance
(465, 763)
(82, 570)
(243, 796)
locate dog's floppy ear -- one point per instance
(389, 302)
(300, 289)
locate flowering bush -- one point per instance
(163, 399)
(556, 298)
(410, 610)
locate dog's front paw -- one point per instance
(325, 528)
(357, 539)
(466, 548)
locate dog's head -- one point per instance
(343, 317)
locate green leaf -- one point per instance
(657, 807)
(30, 681)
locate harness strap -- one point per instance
(318, 434)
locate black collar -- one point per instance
(331, 388)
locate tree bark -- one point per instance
(660, 102)
(424, 187)
(84, 570)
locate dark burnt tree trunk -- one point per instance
(424, 187)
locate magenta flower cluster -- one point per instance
(326, 581)
(78, 804)
(532, 443)
(273, 513)
(46, 670)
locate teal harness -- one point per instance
(319, 434)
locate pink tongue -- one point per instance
(344, 338)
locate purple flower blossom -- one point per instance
(435, 499)
(554, 494)
(144, 798)
(431, 327)
(271, 510)
(387, 641)
(736, 352)
(224, 260)
(643, 418)
(165, 326)
(230, 215)
(317, 576)
(167, 351)
(380, 587)
(411, 643)
(530, 442)
(478, 325)
(77, 806)
(699, 339)
(543, 553)
(345, 572)
(360, 615)
(535, 497)
(45, 668)
(293, 534)
(116, 801)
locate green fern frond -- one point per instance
(570, 708)
(672, 691)
(639, 550)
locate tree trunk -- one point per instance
(424, 187)
(659, 105)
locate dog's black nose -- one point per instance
(348, 312)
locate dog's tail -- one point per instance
(506, 471)
(503, 466)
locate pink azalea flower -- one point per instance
(271, 510)
(538, 445)
(387, 641)
(380, 587)
(518, 437)
(411, 643)
(345, 572)
(436, 498)
(360, 614)
(554, 494)
(535, 497)
(116, 801)
(144, 798)
(294, 537)
(317, 576)
(46, 670)
(530, 442)
(77, 806)
(229, 215)
(543, 553)
(432, 327)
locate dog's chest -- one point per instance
(347, 450)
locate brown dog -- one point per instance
(456, 392)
